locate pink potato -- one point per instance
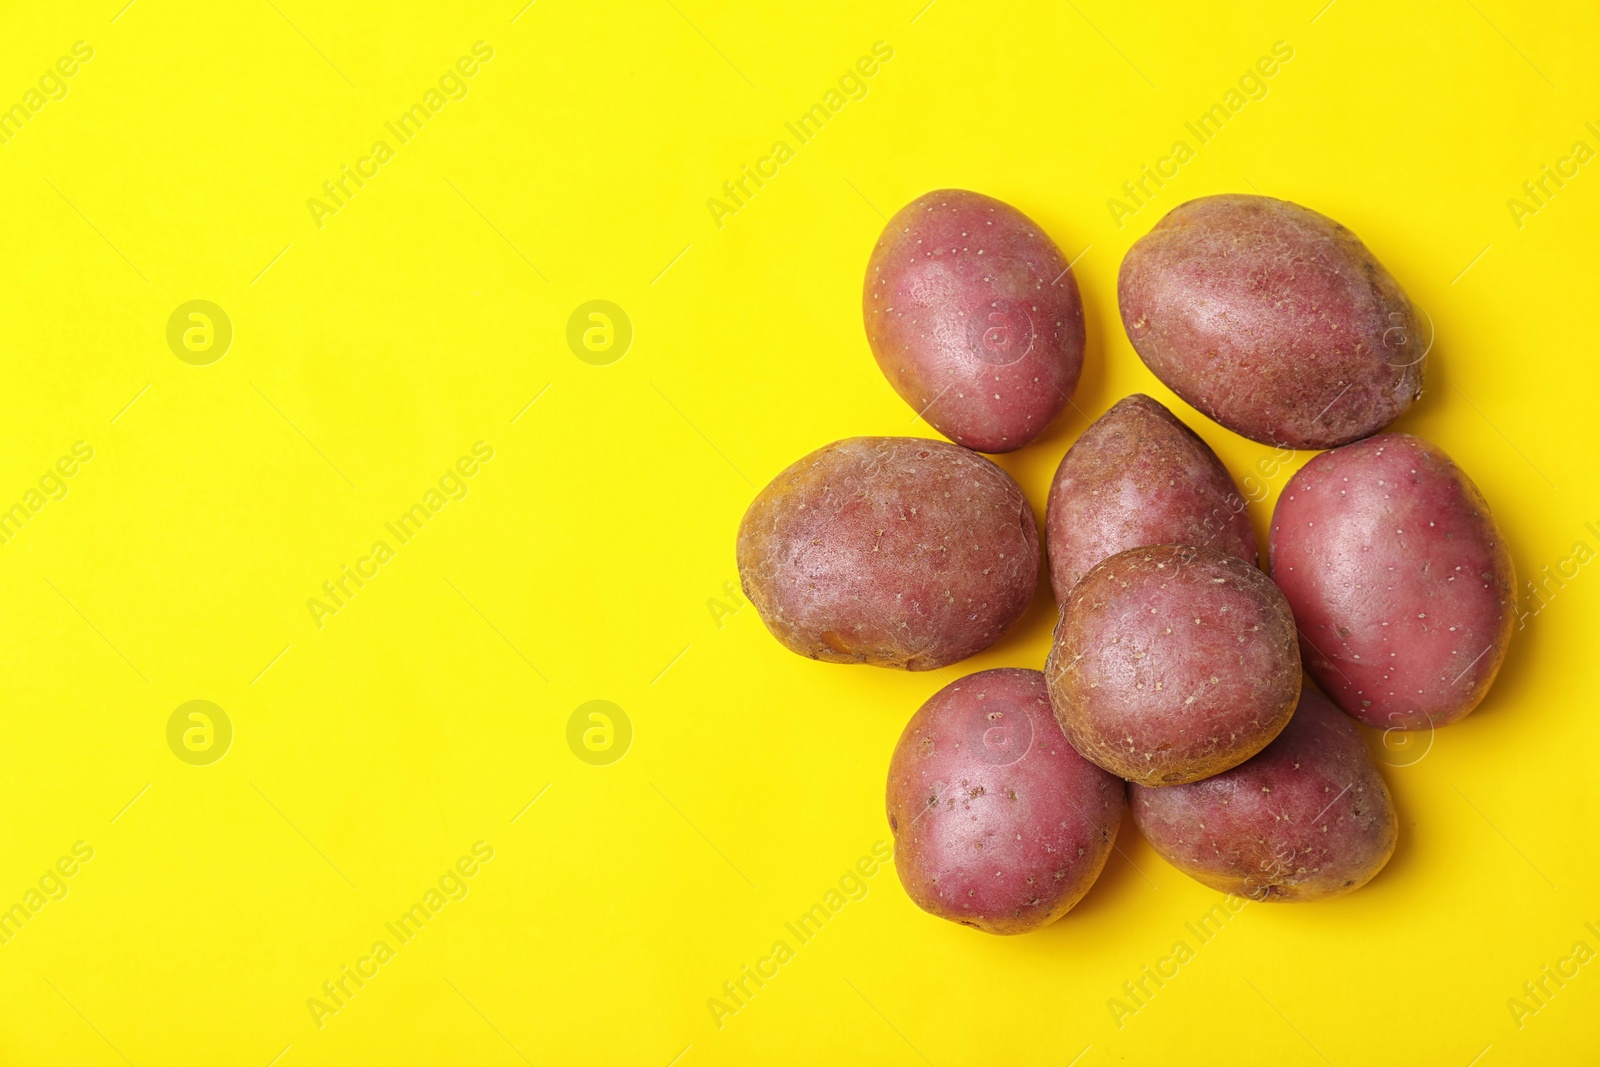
(1137, 477)
(998, 823)
(1400, 581)
(893, 551)
(1173, 663)
(1308, 818)
(974, 317)
(1273, 320)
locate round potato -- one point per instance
(1173, 663)
(997, 822)
(1137, 476)
(1400, 581)
(1273, 320)
(1308, 818)
(974, 316)
(894, 551)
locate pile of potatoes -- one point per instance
(1175, 681)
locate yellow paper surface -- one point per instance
(406, 358)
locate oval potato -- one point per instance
(1399, 578)
(1138, 476)
(1308, 818)
(1273, 320)
(892, 551)
(998, 823)
(974, 316)
(1172, 663)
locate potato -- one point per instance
(1173, 663)
(1137, 477)
(1400, 581)
(1273, 320)
(997, 822)
(1308, 818)
(894, 551)
(974, 316)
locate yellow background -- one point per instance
(587, 559)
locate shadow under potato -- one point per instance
(1120, 878)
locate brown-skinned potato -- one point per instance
(1273, 320)
(974, 316)
(1400, 581)
(1138, 476)
(998, 823)
(1172, 663)
(891, 551)
(1308, 818)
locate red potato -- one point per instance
(1137, 477)
(1273, 320)
(974, 317)
(1173, 663)
(998, 823)
(1400, 581)
(892, 551)
(1308, 818)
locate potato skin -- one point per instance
(1273, 320)
(974, 317)
(998, 823)
(1173, 663)
(1400, 581)
(1138, 476)
(1308, 818)
(893, 551)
